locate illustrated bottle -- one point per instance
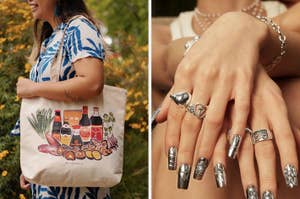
(97, 125)
(56, 125)
(66, 134)
(76, 140)
(85, 126)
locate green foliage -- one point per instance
(123, 17)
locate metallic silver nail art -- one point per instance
(181, 98)
(200, 168)
(268, 195)
(220, 175)
(234, 146)
(153, 118)
(172, 158)
(251, 192)
(290, 175)
(183, 176)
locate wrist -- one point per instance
(36, 89)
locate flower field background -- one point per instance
(125, 67)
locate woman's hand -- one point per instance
(26, 88)
(219, 68)
(23, 183)
(268, 111)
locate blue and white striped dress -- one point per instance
(82, 39)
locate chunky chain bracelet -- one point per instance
(281, 37)
(189, 44)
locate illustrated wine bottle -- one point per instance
(76, 140)
(56, 125)
(97, 125)
(85, 126)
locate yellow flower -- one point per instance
(21, 196)
(2, 106)
(4, 173)
(27, 67)
(17, 98)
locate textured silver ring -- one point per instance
(261, 135)
(197, 110)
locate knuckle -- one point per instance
(265, 150)
(268, 181)
(190, 121)
(213, 121)
(175, 114)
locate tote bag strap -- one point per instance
(57, 61)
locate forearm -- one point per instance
(78, 88)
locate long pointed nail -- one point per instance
(181, 98)
(184, 176)
(234, 146)
(153, 118)
(251, 192)
(172, 158)
(290, 175)
(220, 175)
(200, 168)
(268, 195)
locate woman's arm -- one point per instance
(87, 83)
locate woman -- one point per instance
(81, 75)
(218, 72)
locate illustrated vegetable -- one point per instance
(41, 121)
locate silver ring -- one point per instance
(197, 110)
(181, 98)
(260, 136)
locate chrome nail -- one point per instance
(184, 176)
(220, 175)
(200, 168)
(234, 146)
(268, 195)
(153, 118)
(172, 158)
(290, 175)
(251, 192)
(181, 98)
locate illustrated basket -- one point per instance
(68, 144)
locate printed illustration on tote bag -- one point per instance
(74, 135)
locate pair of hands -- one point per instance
(223, 67)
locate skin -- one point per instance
(86, 84)
(190, 124)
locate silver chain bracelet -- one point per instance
(189, 44)
(281, 37)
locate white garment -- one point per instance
(182, 25)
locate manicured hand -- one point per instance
(218, 69)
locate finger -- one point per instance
(247, 168)
(265, 157)
(219, 160)
(239, 119)
(191, 124)
(162, 115)
(284, 137)
(175, 115)
(212, 125)
(23, 183)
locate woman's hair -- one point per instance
(65, 9)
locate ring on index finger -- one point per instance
(181, 98)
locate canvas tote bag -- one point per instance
(73, 144)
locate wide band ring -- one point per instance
(197, 110)
(181, 98)
(260, 136)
